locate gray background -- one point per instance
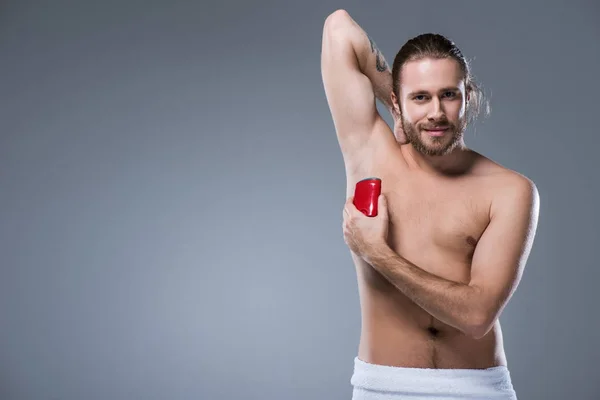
(171, 191)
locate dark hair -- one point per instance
(437, 46)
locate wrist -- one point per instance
(379, 254)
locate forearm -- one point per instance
(453, 303)
(371, 61)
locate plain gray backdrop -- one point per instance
(171, 194)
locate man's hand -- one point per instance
(398, 131)
(366, 235)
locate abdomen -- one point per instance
(396, 332)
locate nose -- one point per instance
(437, 111)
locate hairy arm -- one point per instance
(354, 74)
(373, 65)
(371, 61)
(497, 267)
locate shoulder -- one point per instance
(508, 187)
(501, 177)
(517, 193)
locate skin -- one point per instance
(433, 96)
(440, 261)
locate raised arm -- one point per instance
(354, 73)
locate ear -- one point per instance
(468, 90)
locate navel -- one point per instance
(471, 240)
(433, 331)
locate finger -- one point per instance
(382, 200)
(352, 211)
(349, 207)
(349, 201)
(382, 204)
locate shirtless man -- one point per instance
(440, 261)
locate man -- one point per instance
(446, 251)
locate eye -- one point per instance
(450, 94)
(419, 97)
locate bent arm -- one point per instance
(371, 61)
(354, 74)
(496, 268)
(451, 302)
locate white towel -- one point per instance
(380, 382)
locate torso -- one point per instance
(435, 223)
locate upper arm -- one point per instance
(349, 92)
(503, 249)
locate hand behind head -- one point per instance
(398, 131)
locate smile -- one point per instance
(436, 132)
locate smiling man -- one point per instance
(442, 258)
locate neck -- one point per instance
(454, 163)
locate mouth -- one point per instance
(438, 131)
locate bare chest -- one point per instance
(435, 223)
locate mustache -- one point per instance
(438, 125)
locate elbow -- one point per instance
(479, 325)
(336, 35)
(337, 19)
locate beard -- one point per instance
(433, 146)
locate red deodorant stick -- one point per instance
(366, 194)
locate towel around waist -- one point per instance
(490, 382)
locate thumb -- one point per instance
(382, 205)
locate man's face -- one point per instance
(432, 104)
